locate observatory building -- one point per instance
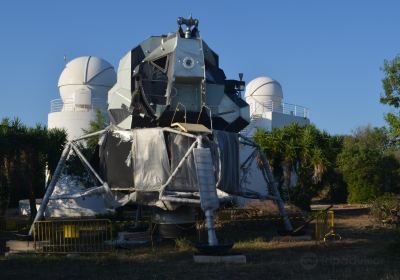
(83, 85)
(267, 111)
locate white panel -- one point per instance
(73, 122)
(83, 97)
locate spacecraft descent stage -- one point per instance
(173, 142)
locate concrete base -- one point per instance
(16, 247)
(134, 236)
(219, 259)
(289, 238)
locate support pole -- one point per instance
(212, 237)
(90, 135)
(208, 195)
(51, 186)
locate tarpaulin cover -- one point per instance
(150, 159)
(144, 159)
(114, 153)
(185, 179)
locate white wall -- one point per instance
(73, 122)
(281, 120)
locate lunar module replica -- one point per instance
(173, 140)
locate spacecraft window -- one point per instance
(161, 63)
(188, 62)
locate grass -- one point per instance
(366, 252)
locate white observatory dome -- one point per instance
(264, 93)
(86, 74)
(84, 84)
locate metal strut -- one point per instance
(269, 178)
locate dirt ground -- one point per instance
(366, 251)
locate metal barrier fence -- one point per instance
(73, 236)
(324, 226)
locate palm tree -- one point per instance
(303, 150)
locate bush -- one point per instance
(368, 165)
(183, 244)
(24, 153)
(384, 207)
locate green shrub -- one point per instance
(183, 244)
(381, 207)
(368, 165)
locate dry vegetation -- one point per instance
(367, 251)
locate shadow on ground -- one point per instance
(362, 254)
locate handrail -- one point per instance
(69, 105)
(257, 108)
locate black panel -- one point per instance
(214, 75)
(154, 83)
(147, 197)
(113, 155)
(137, 56)
(118, 115)
(213, 54)
(216, 57)
(237, 125)
(161, 62)
(219, 123)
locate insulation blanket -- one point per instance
(144, 159)
(150, 159)
(115, 159)
(185, 179)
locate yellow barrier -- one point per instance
(73, 236)
(324, 226)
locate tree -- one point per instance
(56, 139)
(24, 153)
(305, 151)
(368, 164)
(391, 86)
(99, 123)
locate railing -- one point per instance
(73, 236)
(69, 105)
(258, 108)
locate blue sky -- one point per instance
(326, 54)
